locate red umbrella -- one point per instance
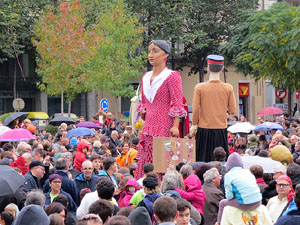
(16, 135)
(269, 111)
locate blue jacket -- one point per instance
(67, 185)
(241, 184)
(71, 204)
(148, 202)
(82, 183)
(292, 218)
(112, 177)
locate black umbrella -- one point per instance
(61, 119)
(17, 115)
(10, 180)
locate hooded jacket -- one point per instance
(148, 202)
(32, 215)
(193, 193)
(140, 216)
(128, 195)
(240, 183)
(80, 156)
(20, 163)
(82, 183)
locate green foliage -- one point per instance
(200, 25)
(116, 63)
(16, 20)
(270, 46)
(51, 129)
(4, 116)
(64, 48)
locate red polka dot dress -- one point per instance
(161, 108)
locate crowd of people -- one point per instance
(90, 180)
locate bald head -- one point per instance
(28, 158)
(87, 169)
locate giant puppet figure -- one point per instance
(211, 102)
(161, 105)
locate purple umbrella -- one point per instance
(88, 125)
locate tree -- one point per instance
(162, 19)
(65, 48)
(116, 63)
(270, 49)
(16, 20)
(209, 23)
(200, 25)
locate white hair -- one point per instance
(280, 169)
(209, 175)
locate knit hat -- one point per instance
(140, 216)
(234, 160)
(32, 215)
(55, 176)
(73, 141)
(150, 182)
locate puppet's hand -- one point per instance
(174, 132)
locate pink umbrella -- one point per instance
(269, 111)
(16, 135)
(88, 125)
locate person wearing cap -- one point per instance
(152, 191)
(161, 105)
(55, 182)
(241, 190)
(33, 178)
(211, 102)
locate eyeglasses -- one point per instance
(282, 185)
(56, 182)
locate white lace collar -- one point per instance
(150, 89)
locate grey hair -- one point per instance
(280, 169)
(209, 175)
(35, 197)
(67, 155)
(114, 132)
(171, 181)
(23, 145)
(186, 170)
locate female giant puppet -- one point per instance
(161, 105)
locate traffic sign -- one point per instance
(104, 104)
(280, 93)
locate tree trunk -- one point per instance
(117, 107)
(290, 101)
(69, 107)
(201, 71)
(62, 102)
(15, 81)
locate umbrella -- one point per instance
(88, 125)
(10, 180)
(267, 164)
(17, 115)
(61, 119)
(3, 129)
(241, 127)
(269, 111)
(80, 132)
(16, 135)
(268, 126)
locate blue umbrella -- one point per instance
(80, 132)
(268, 126)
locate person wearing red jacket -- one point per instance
(82, 149)
(20, 163)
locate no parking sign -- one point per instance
(104, 104)
(280, 93)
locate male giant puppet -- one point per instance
(211, 102)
